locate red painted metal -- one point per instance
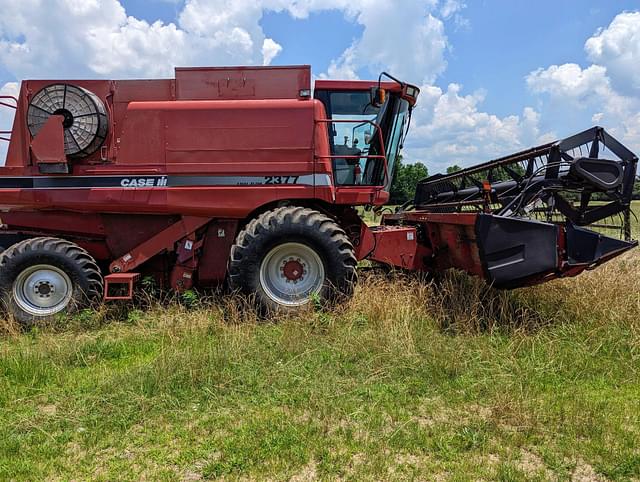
(48, 146)
(219, 237)
(364, 242)
(122, 233)
(264, 136)
(451, 239)
(188, 255)
(188, 161)
(293, 270)
(181, 278)
(218, 83)
(163, 241)
(218, 123)
(116, 282)
(65, 223)
(395, 246)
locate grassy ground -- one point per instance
(409, 380)
(635, 219)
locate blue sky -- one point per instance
(497, 75)
(502, 42)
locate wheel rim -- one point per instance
(291, 274)
(42, 290)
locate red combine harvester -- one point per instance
(247, 175)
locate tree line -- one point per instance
(407, 176)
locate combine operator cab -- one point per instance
(366, 128)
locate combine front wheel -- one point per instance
(42, 277)
(288, 256)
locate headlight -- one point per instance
(411, 93)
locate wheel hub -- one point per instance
(291, 273)
(293, 270)
(42, 290)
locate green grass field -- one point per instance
(407, 381)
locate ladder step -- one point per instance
(119, 286)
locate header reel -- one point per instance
(584, 178)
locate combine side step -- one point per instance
(119, 286)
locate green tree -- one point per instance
(405, 180)
(454, 168)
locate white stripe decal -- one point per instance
(159, 181)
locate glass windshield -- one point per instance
(356, 107)
(351, 136)
(359, 133)
(396, 136)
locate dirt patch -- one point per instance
(459, 416)
(307, 473)
(409, 459)
(585, 473)
(531, 465)
(194, 473)
(490, 460)
(48, 410)
(75, 452)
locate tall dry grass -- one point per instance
(459, 303)
(395, 302)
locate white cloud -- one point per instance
(136, 48)
(450, 128)
(270, 49)
(99, 39)
(617, 48)
(31, 45)
(405, 37)
(570, 81)
(606, 92)
(450, 7)
(577, 89)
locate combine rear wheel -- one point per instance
(291, 255)
(42, 277)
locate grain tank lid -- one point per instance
(238, 83)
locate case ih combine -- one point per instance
(246, 175)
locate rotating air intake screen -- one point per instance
(85, 118)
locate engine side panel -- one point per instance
(223, 158)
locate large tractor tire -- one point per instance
(290, 256)
(43, 277)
